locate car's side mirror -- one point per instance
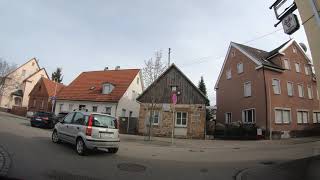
(61, 120)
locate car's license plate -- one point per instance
(105, 135)
(38, 119)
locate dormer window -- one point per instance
(107, 88)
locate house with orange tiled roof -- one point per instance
(111, 92)
(21, 80)
(41, 96)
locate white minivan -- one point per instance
(88, 131)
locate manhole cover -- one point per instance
(131, 167)
(267, 162)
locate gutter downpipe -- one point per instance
(268, 122)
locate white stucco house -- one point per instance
(112, 92)
(19, 83)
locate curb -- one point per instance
(5, 162)
(13, 116)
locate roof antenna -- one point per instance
(169, 53)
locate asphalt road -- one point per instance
(34, 156)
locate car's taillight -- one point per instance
(89, 127)
(45, 118)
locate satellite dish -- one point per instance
(304, 47)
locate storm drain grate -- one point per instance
(130, 167)
(267, 162)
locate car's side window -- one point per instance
(68, 118)
(79, 119)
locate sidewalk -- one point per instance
(306, 169)
(12, 115)
(216, 144)
(4, 162)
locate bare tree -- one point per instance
(8, 80)
(153, 69)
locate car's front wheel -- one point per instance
(55, 137)
(113, 150)
(81, 147)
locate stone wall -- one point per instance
(195, 120)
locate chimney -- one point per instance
(117, 68)
(106, 68)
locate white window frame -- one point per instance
(294, 49)
(153, 117)
(107, 88)
(282, 109)
(303, 111)
(317, 93)
(310, 92)
(228, 74)
(244, 89)
(240, 70)
(286, 63)
(96, 108)
(302, 91)
(292, 88)
(181, 125)
(316, 119)
(243, 116)
(297, 67)
(275, 85)
(61, 107)
(227, 121)
(233, 54)
(306, 70)
(70, 107)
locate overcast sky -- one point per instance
(89, 35)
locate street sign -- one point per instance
(290, 24)
(174, 98)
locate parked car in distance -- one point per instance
(88, 131)
(43, 119)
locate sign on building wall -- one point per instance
(290, 24)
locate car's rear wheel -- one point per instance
(81, 147)
(113, 150)
(55, 137)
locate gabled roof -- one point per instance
(33, 59)
(163, 74)
(260, 57)
(52, 87)
(26, 79)
(88, 85)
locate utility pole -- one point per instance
(169, 53)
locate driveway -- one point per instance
(34, 156)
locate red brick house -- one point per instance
(40, 95)
(275, 90)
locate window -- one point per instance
(82, 107)
(317, 93)
(228, 118)
(130, 114)
(290, 88)
(108, 111)
(79, 119)
(286, 64)
(123, 113)
(155, 118)
(233, 54)
(181, 119)
(316, 117)
(94, 108)
(60, 107)
(248, 116)
(276, 86)
(34, 103)
(23, 73)
(302, 117)
(68, 118)
(300, 90)
(240, 68)
(307, 69)
(294, 50)
(282, 116)
(297, 67)
(107, 88)
(134, 95)
(138, 81)
(17, 101)
(247, 89)
(70, 107)
(228, 74)
(42, 104)
(310, 93)
(32, 63)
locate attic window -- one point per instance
(107, 88)
(294, 49)
(92, 88)
(233, 54)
